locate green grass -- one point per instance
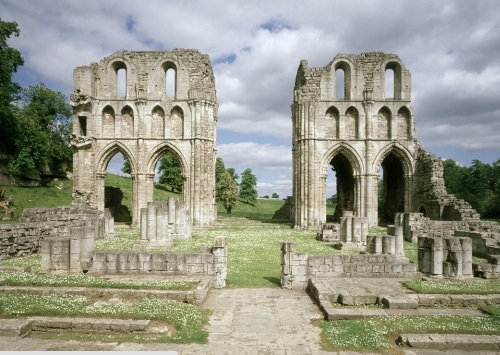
(188, 320)
(83, 280)
(379, 333)
(262, 209)
(46, 196)
(467, 287)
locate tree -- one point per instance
(248, 187)
(170, 172)
(10, 61)
(219, 169)
(233, 174)
(126, 169)
(275, 195)
(43, 129)
(226, 191)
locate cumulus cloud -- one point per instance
(450, 47)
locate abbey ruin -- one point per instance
(165, 102)
(356, 133)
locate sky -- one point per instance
(451, 47)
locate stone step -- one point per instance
(405, 301)
(449, 342)
(344, 313)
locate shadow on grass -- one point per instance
(273, 280)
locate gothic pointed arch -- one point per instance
(158, 151)
(384, 123)
(351, 123)
(177, 122)
(108, 122)
(403, 123)
(332, 117)
(109, 151)
(158, 122)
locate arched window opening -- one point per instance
(168, 179)
(392, 81)
(340, 83)
(351, 123)
(423, 211)
(391, 189)
(389, 83)
(384, 123)
(127, 122)
(158, 123)
(108, 122)
(170, 82)
(177, 123)
(118, 189)
(331, 122)
(82, 123)
(403, 123)
(121, 82)
(344, 179)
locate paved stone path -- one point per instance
(244, 321)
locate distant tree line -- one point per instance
(478, 184)
(35, 122)
(227, 189)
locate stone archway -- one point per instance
(143, 118)
(365, 123)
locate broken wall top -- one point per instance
(364, 78)
(145, 78)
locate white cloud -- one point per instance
(450, 47)
(266, 156)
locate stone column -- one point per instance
(219, 251)
(466, 256)
(99, 190)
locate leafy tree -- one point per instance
(43, 129)
(226, 191)
(170, 172)
(248, 187)
(219, 169)
(275, 195)
(10, 61)
(126, 169)
(233, 174)
(478, 184)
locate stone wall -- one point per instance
(36, 224)
(445, 256)
(297, 268)
(429, 192)
(146, 120)
(163, 222)
(210, 262)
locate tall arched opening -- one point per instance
(391, 189)
(345, 191)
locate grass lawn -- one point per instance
(254, 242)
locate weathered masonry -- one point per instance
(144, 104)
(343, 119)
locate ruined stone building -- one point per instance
(352, 117)
(144, 104)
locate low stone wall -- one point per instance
(211, 263)
(297, 268)
(36, 224)
(163, 222)
(448, 256)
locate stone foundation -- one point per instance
(163, 222)
(450, 257)
(36, 224)
(297, 268)
(211, 262)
